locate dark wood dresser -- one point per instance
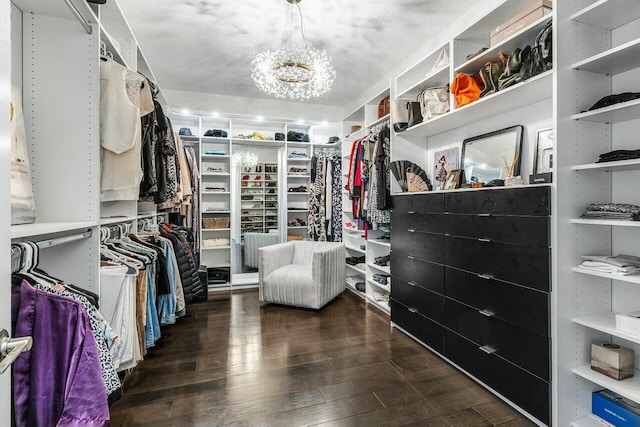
(471, 280)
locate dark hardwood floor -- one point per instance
(237, 362)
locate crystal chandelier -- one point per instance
(245, 160)
(294, 70)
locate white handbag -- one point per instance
(434, 101)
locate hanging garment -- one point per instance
(23, 208)
(73, 393)
(120, 133)
(336, 198)
(377, 183)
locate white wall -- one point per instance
(206, 103)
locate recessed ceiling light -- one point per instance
(300, 121)
(215, 114)
(185, 111)
(260, 118)
(324, 123)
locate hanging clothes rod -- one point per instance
(85, 24)
(63, 240)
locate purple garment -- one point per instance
(59, 382)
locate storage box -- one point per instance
(612, 360)
(615, 409)
(535, 11)
(628, 322)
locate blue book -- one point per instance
(615, 409)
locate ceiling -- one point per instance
(207, 45)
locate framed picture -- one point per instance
(543, 158)
(453, 179)
(444, 161)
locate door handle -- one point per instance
(413, 310)
(487, 313)
(485, 276)
(411, 212)
(484, 240)
(487, 349)
(411, 284)
(11, 348)
(484, 214)
(411, 257)
(411, 230)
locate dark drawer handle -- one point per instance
(487, 349)
(485, 276)
(411, 230)
(484, 214)
(484, 240)
(487, 313)
(411, 212)
(413, 310)
(411, 257)
(412, 284)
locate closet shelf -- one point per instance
(215, 174)
(298, 144)
(634, 278)
(111, 46)
(298, 192)
(355, 291)
(117, 219)
(187, 138)
(621, 165)
(438, 77)
(518, 40)
(40, 228)
(384, 269)
(215, 229)
(216, 212)
(215, 139)
(613, 222)
(220, 193)
(255, 142)
(355, 269)
(297, 160)
(629, 388)
(221, 265)
(215, 156)
(613, 61)
(297, 210)
(378, 285)
(605, 322)
(588, 421)
(379, 305)
(528, 92)
(349, 230)
(617, 113)
(608, 14)
(297, 227)
(214, 248)
(355, 248)
(384, 243)
(378, 121)
(299, 176)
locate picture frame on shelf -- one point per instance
(453, 179)
(543, 157)
(444, 161)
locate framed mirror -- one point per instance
(484, 156)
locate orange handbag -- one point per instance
(466, 88)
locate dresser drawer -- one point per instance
(419, 203)
(525, 230)
(427, 246)
(521, 264)
(518, 345)
(423, 273)
(534, 201)
(428, 303)
(524, 389)
(520, 306)
(426, 222)
(427, 331)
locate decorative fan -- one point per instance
(417, 179)
(399, 170)
(410, 176)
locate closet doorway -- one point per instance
(257, 206)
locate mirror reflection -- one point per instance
(488, 157)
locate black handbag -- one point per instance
(541, 53)
(415, 115)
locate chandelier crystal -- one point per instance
(245, 160)
(293, 71)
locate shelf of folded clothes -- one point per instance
(629, 278)
(611, 214)
(615, 113)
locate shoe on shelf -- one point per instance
(245, 177)
(257, 178)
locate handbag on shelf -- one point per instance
(415, 115)
(399, 115)
(384, 107)
(466, 88)
(517, 68)
(434, 101)
(490, 74)
(542, 53)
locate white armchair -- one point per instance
(302, 274)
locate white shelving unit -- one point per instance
(298, 176)
(597, 56)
